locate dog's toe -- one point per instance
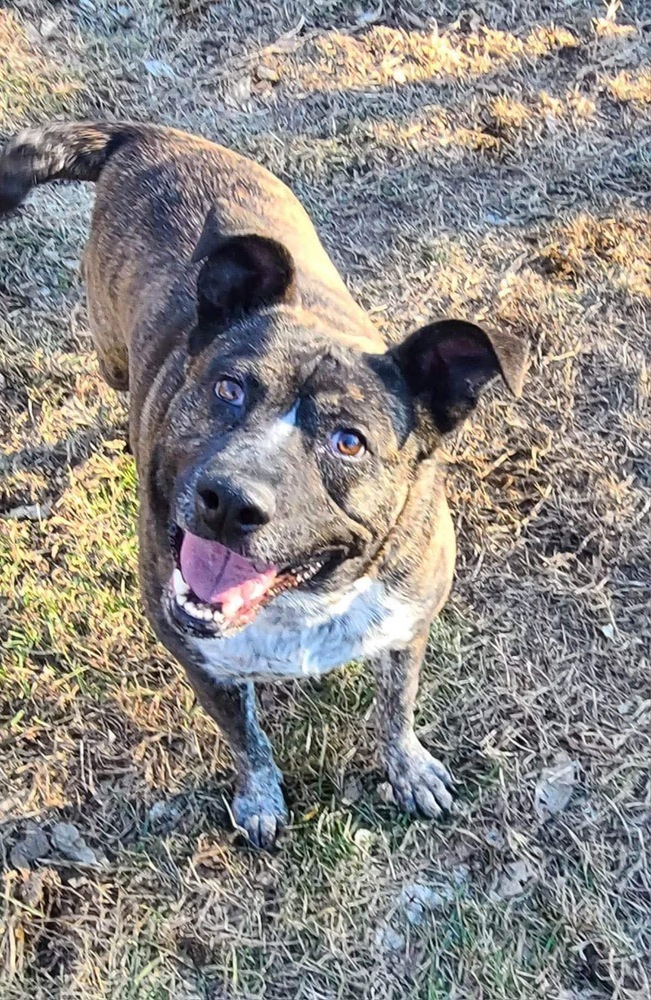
(420, 782)
(260, 813)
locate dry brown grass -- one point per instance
(492, 164)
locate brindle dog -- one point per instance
(292, 513)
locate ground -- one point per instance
(491, 162)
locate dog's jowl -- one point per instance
(292, 515)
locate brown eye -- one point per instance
(348, 443)
(230, 391)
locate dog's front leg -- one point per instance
(258, 806)
(420, 782)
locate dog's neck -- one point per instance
(422, 494)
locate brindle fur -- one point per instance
(175, 287)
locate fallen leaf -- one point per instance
(554, 788)
(68, 840)
(33, 846)
(513, 880)
(13, 806)
(158, 68)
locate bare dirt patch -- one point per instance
(490, 162)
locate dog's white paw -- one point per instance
(419, 781)
(258, 809)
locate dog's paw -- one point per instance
(419, 781)
(258, 809)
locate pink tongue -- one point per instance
(219, 576)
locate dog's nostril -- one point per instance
(250, 517)
(210, 499)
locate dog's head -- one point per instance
(286, 456)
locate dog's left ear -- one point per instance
(446, 365)
(240, 274)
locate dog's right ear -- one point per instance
(240, 274)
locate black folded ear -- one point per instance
(240, 274)
(446, 365)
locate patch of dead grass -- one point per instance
(29, 83)
(631, 86)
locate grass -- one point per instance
(494, 165)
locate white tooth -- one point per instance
(181, 599)
(193, 610)
(216, 616)
(179, 584)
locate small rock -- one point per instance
(608, 631)
(399, 76)
(352, 791)
(363, 839)
(554, 788)
(157, 812)
(388, 939)
(496, 219)
(364, 17)
(29, 512)
(414, 20)
(68, 840)
(386, 794)
(417, 899)
(460, 876)
(33, 846)
(495, 838)
(164, 814)
(266, 73)
(158, 68)
(48, 27)
(240, 90)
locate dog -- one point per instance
(292, 514)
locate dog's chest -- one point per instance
(308, 635)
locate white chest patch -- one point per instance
(305, 635)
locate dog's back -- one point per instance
(155, 187)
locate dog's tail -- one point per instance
(72, 151)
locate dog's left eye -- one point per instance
(230, 391)
(348, 443)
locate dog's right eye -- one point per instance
(348, 443)
(230, 391)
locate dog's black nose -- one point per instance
(227, 510)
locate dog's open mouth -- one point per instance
(215, 591)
